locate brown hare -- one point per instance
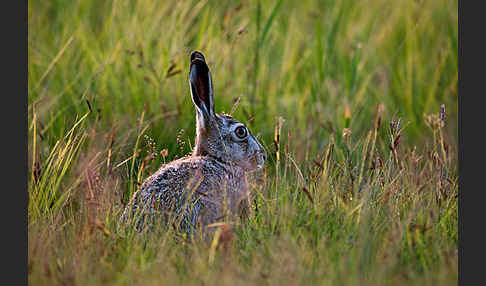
(210, 184)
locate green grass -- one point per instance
(108, 88)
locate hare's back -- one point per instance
(172, 176)
(173, 180)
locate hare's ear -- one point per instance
(201, 86)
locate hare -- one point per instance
(202, 188)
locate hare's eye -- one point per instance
(240, 132)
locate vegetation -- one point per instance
(355, 102)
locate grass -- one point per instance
(355, 102)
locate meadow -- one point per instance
(356, 103)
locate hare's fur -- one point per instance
(211, 184)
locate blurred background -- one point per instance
(309, 62)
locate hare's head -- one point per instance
(220, 135)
